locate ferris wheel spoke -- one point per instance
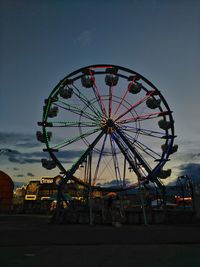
(150, 152)
(141, 161)
(124, 96)
(144, 117)
(76, 110)
(110, 100)
(141, 131)
(144, 148)
(99, 159)
(115, 160)
(97, 94)
(126, 152)
(99, 100)
(75, 124)
(87, 102)
(149, 94)
(75, 139)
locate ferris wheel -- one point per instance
(107, 126)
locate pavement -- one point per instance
(28, 240)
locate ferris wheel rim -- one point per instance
(160, 164)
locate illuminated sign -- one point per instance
(47, 180)
(45, 198)
(30, 197)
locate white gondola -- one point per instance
(163, 174)
(87, 81)
(53, 112)
(48, 164)
(111, 80)
(153, 103)
(51, 100)
(66, 92)
(135, 88)
(165, 125)
(134, 78)
(40, 136)
(173, 149)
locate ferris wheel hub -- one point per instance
(108, 124)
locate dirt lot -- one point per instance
(28, 240)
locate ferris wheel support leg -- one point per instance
(68, 176)
(71, 171)
(160, 192)
(164, 198)
(134, 167)
(162, 189)
(142, 203)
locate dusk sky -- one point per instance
(43, 41)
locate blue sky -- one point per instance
(43, 41)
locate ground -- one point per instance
(28, 240)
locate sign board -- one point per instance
(47, 180)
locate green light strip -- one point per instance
(46, 111)
(75, 139)
(74, 124)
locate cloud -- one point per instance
(69, 154)
(189, 156)
(30, 174)
(23, 149)
(23, 160)
(61, 154)
(113, 183)
(7, 151)
(84, 38)
(19, 140)
(19, 175)
(191, 169)
(15, 156)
